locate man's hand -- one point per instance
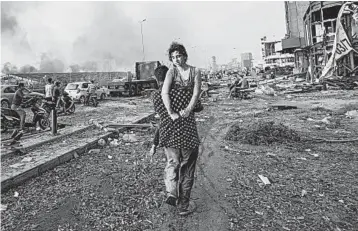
(174, 116)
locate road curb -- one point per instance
(11, 153)
(48, 164)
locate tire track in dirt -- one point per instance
(209, 189)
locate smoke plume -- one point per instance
(53, 36)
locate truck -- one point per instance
(129, 86)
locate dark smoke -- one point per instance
(50, 64)
(8, 22)
(111, 36)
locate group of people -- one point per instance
(174, 102)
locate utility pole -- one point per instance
(141, 31)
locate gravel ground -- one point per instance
(313, 184)
(116, 189)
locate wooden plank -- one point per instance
(130, 125)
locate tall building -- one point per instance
(246, 60)
(295, 34)
(294, 11)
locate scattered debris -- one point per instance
(314, 155)
(301, 158)
(262, 133)
(129, 138)
(94, 151)
(270, 154)
(283, 107)
(303, 193)
(264, 179)
(260, 213)
(101, 142)
(3, 207)
(26, 159)
(199, 120)
(325, 120)
(109, 157)
(16, 194)
(352, 114)
(17, 165)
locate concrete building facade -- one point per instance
(294, 11)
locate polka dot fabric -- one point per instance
(181, 133)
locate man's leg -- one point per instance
(22, 115)
(171, 172)
(186, 176)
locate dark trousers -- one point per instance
(179, 173)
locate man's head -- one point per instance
(21, 86)
(160, 73)
(57, 83)
(49, 80)
(92, 81)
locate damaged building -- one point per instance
(331, 41)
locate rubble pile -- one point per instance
(345, 83)
(262, 133)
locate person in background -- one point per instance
(49, 90)
(241, 82)
(16, 104)
(159, 73)
(90, 90)
(66, 101)
(56, 93)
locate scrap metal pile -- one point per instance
(345, 83)
(262, 133)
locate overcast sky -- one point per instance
(78, 31)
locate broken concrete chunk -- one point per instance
(264, 179)
(101, 142)
(325, 120)
(17, 165)
(26, 159)
(130, 138)
(352, 114)
(95, 151)
(3, 207)
(303, 193)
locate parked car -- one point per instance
(8, 92)
(78, 91)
